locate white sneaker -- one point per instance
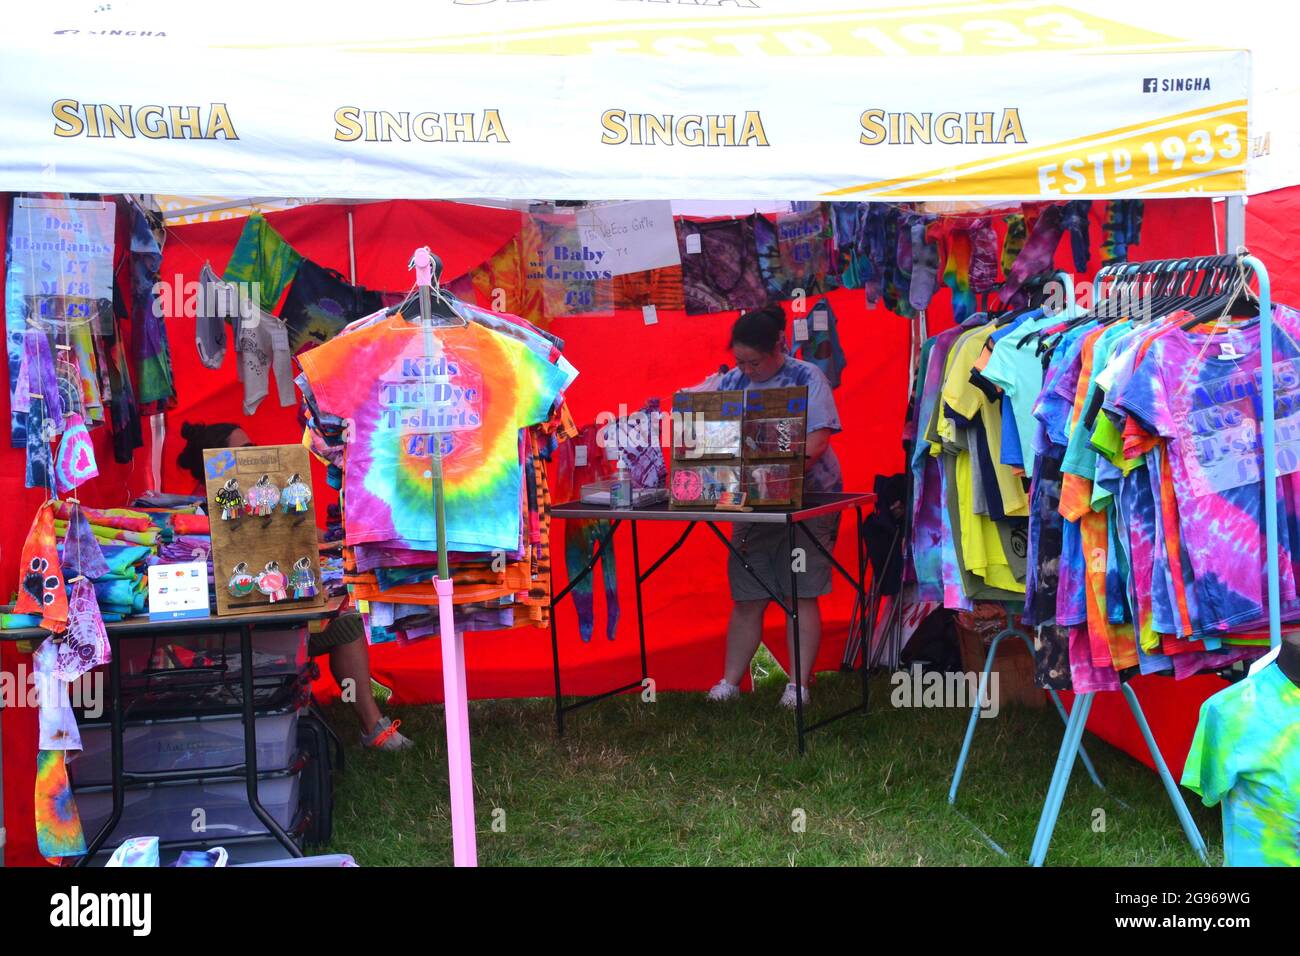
(787, 699)
(723, 690)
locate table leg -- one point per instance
(555, 664)
(640, 614)
(867, 623)
(117, 761)
(794, 626)
(249, 713)
(555, 634)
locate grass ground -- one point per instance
(685, 782)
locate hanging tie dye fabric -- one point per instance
(37, 390)
(1123, 228)
(1074, 220)
(58, 825)
(81, 551)
(75, 463)
(85, 643)
(983, 257)
(956, 272)
(849, 262)
(925, 265)
(1013, 241)
(1037, 255)
(155, 388)
(41, 589)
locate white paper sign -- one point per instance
(178, 590)
(693, 244)
(801, 330)
(635, 236)
(579, 455)
(650, 314)
(821, 320)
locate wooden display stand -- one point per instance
(253, 539)
(750, 442)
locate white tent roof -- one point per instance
(617, 99)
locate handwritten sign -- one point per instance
(633, 236)
(60, 274)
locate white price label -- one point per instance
(650, 314)
(801, 330)
(580, 455)
(693, 243)
(821, 320)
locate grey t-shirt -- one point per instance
(824, 475)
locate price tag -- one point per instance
(279, 337)
(693, 243)
(650, 314)
(580, 455)
(821, 320)
(801, 330)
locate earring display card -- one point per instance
(267, 529)
(774, 437)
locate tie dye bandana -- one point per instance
(81, 551)
(75, 464)
(58, 825)
(40, 585)
(136, 852)
(85, 643)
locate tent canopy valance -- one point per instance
(617, 99)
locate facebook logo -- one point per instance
(1150, 85)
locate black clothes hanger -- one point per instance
(443, 305)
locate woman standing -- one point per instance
(758, 345)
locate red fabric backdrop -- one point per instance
(622, 360)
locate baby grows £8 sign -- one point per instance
(178, 590)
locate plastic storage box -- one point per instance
(171, 811)
(178, 745)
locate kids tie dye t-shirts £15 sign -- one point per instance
(483, 387)
(1203, 393)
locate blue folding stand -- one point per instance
(1072, 744)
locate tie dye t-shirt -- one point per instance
(1203, 394)
(1247, 753)
(484, 388)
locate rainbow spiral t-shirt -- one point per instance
(472, 398)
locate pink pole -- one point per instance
(460, 768)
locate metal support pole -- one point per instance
(1235, 223)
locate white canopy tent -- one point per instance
(753, 100)
(618, 99)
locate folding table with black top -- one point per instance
(793, 520)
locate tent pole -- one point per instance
(352, 252)
(1235, 216)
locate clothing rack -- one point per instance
(1072, 742)
(460, 771)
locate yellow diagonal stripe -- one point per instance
(960, 29)
(1206, 147)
